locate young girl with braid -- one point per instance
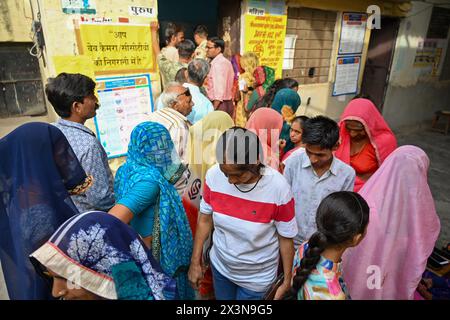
(342, 219)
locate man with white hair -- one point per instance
(177, 104)
(197, 71)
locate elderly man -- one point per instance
(201, 40)
(220, 78)
(197, 71)
(177, 104)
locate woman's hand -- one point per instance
(195, 275)
(282, 290)
(282, 143)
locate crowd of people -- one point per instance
(225, 190)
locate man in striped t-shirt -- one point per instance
(252, 210)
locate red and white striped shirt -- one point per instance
(246, 226)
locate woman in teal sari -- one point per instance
(286, 102)
(148, 201)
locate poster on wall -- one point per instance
(347, 75)
(429, 56)
(265, 36)
(261, 7)
(117, 47)
(353, 31)
(125, 102)
(78, 6)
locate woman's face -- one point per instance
(236, 176)
(296, 132)
(67, 290)
(356, 130)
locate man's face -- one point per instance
(211, 50)
(180, 37)
(356, 130)
(88, 108)
(320, 158)
(184, 102)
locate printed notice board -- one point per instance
(347, 75)
(117, 47)
(353, 31)
(124, 103)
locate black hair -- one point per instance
(241, 147)
(218, 43)
(171, 31)
(266, 100)
(67, 88)
(300, 120)
(181, 76)
(321, 131)
(340, 217)
(201, 30)
(186, 48)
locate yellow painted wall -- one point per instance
(60, 40)
(15, 21)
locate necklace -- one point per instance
(247, 191)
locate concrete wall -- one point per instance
(412, 98)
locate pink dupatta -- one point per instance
(267, 124)
(380, 135)
(402, 231)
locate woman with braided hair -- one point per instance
(342, 220)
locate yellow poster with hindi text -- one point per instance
(265, 35)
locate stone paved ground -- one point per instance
(437, 147)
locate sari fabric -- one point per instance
(402, 231)
(264, 78)
(38, 168)
(152, 157)
(267, 124)
(101, 254)
(286, 103)
(380, 135)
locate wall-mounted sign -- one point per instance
(125, 102)
(148, 12)
(117, 48)
(353, 31)
(347, 75)
(78, 6)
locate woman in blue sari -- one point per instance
(96, 256)
(147, 199)
(38, 173)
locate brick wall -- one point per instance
(315, 32)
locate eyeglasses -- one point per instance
(187, 93)
(207, 47)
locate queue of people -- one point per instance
(225, 189)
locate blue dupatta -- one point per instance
(103, 255)
(38, 171)
(152, 157)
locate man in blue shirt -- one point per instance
(72, 96)
(315, 172)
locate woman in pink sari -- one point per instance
(403, 228)
(267, 124)
(366, 139)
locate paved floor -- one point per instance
(437, 147)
